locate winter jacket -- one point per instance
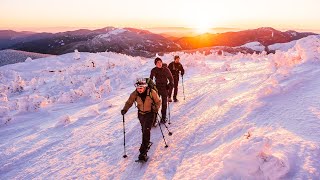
(162, 76)
(149, 105)
(175, 68)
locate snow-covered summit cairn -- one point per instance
(76, 55)
(28, 59)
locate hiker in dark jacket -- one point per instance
(162, 75)
(175, 67)
(148, 102)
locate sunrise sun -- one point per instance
(204, 28)
(202, 23)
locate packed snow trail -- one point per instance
(244, 117)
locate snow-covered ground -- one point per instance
(282, 46)
(244, 117)
(257, 46)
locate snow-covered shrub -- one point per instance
(187, 59)
(37, 102)
(63, 120)
(68, 97)
(3, 97)
(33, 82)
(220, 79)
(93, 111)
(23, 104)
(17, 85)
(31, 103)
(109, 65)
(4, 115)
(89, 89)
(105, 104)
(5, 119)
(4, 111)
(4, 88)
(226, 66)
(192, 60)
(105, 87)
(13, 105)
(269, 90)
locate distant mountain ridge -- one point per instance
(131, 41)
(266, 36)
(136, 42)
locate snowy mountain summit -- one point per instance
(245, 116)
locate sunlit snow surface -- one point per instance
(243, 117)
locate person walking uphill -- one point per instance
(162, 75)
(175, 67)
(148, 102)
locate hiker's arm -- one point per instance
(130, 101)
(182, 70)
(170, 77)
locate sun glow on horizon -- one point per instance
(200, 23)
(202, 28)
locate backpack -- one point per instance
(151, 85)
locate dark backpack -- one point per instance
(151, 86)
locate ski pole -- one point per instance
(169, 133)
(162, 135)
(184, 97)
(169, 112)
(124, 138)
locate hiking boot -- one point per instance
(143, 157)
(163, 120)
(169, 99)
(175, 100)
(155, 124)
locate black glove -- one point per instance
(123, 112)
(169, 86)
(154, 109)
(182, 73)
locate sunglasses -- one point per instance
(140, 86)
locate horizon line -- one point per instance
(58, 29)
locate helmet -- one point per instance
(141, 82)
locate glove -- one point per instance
(182, 73)
(123, 112)
(154, 109)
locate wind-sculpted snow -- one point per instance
(244, 117)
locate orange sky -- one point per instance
(45, 15)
